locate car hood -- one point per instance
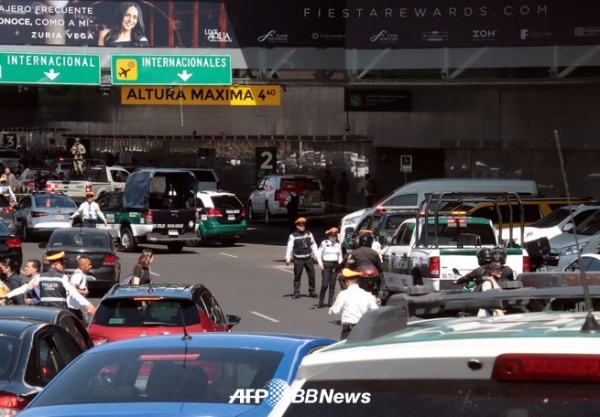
(149, 409)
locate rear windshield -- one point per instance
(204, 176)
(160, 312)
(54, 201)
(435, 398)
(179, 374)
(448, 235)
(301, 184)
(226, 201)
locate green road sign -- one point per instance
(34, 68)
(170, 69)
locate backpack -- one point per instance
(128, 279)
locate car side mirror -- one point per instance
(567, 227)
(233, 320)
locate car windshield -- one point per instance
(9, 350)
(226, 201)
(589, 226)
(553, 218)
(75, 238)
(176, 374)
(57, 201)
(446, 397)
(129, 312)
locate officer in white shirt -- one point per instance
(90, 211)
(352, 303)
(329, 255)
(7, 192)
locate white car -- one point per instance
(41, 213)
(533, 364)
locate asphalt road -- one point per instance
(250, 279)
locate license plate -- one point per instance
(59, 217)
(173, 233)
(231, 217)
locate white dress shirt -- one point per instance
(89, 211)
(78, 280)
(353, 302)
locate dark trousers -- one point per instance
(89, 223)
(346, 329)
(328, 281)
(299, 265)
(79, 315)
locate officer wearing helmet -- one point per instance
(363, 256)
(475, 277)
(498, 254)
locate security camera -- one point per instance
(347, 128)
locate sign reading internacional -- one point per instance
(170, 69)
(248, 95)
(34, 68)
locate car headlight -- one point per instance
(350, 221)
(572, 250)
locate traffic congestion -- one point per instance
(180, 283)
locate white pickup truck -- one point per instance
(450, 243)
(97, 177)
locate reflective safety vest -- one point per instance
(52, 289)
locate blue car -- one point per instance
(200, 374)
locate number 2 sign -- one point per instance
(266, 161)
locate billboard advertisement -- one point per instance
(368, 24)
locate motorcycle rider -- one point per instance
(362, 258)
(498, 254)
(475, 277)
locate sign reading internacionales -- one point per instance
(34, 68)
(170, 69)
(244, 95)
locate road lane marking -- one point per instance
(226, 254)
(287, 269)
(154, 273)
(265, 317)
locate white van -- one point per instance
(411, 194)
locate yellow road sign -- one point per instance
(127, 69)
(247, 95)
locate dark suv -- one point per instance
(128, 311)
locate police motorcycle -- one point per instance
(473, 280)
(369, 278)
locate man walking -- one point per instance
(90, 211)
(352, 303)
(302, 249)
(11, 179)
(79, 281)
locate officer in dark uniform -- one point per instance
(361, 257)
(292, 204)
(54, 286)
(302, 249)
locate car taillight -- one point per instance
(13, 242)
(148, 217)
(11, 404)
(277, 198)
(8, 209)
(547, 367)
(51, 186)
(323, 196)
(244, 212)
(99, 340)
(434, 267)
(526, 264)
(213, 212)
(196, 217)
(88, 188)
(38, 213)
(109, 259)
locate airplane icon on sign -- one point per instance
(123, 72)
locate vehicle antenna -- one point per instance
(186, 335)
(590, 325)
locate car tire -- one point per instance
(267, 214)
(127, 240)
(228, 241)
(250, 212)
(175, 247)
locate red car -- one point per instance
(127, 312)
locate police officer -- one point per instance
(352, 303)
(90, 211)
(292, 204)
(475, 277)
(54, 286)
(78, 151)
(7, 192)
(329, 255)
(302, 249)
(363, 256)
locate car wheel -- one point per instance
(175, 247)
(384, 293)
(128, 243)
(267, 214)
(228, 241)
(250, 212)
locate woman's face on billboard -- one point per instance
(130, 19)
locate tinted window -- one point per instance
(4, 229)
(204, 175)
(532, 213)
(226, 201)
(446, 397)
(162, 375)
(589, 226)
(403, 200)
(448, 235)
(58, 201)
(9, 349)
(554, 218)
(301, 184)
(129, 312)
